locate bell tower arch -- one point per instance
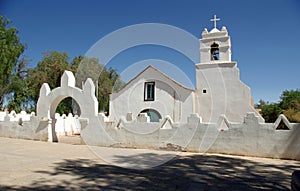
(215, 46)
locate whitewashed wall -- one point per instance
(64, 124)
(225, 93)
(249, 138)
(171, 99)
(67, 124)
(13, 116)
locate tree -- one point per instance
(293, 113)
(288, 98)
(289, 105)
(17, 99)
(49, 70)
(270, 112)
(105, 80)
(10, 51)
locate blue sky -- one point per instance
(264, 34)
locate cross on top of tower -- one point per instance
(215, 19)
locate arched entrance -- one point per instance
(49, 100)
(153, 114)
(66, 121)
(68, 105)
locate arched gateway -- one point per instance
(49, 100)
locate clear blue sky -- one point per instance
(265, 34)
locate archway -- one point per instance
(68, 105)
(153, 114)
(49, 100)
(66, 122)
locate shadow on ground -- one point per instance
(197, 172)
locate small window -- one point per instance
(214, 52)
(204, 91)
(149, 91)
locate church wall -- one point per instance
(168, 101)
(225, 93)
(170, 98)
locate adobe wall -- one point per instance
(34, 129)
(249, 138)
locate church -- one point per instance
(154, 111)
(219, 90)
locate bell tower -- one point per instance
(215, 46)
(219, 90)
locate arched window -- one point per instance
(214, 52)
(153, 114)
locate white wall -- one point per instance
(249, 138)
(67, 124)
(170, 98)
(13, 116)
(225, 93)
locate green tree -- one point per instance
(288, 98)
(293, 113)
(289, 105)
(10, 52)
(48, 70)
(18, 99)
(51, 68)
(105, 80)
(270, 112)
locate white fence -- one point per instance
(67, 125)
(64, 124)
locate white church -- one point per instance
(219, 90)
(154, 111)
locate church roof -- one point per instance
(157, 71)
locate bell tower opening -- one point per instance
(214, 52)
(215, 45)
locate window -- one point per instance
(204, 91)
(149, 91)
(153, 114)
(214, 52)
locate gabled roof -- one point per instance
(160, 73)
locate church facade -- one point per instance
(219, 90)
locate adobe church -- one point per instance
(155, 111)
(219, 90)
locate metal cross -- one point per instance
(215, 19)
